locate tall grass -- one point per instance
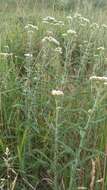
(51, 141)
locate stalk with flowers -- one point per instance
(57, 94)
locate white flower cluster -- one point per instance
(51, 40)
(94, 26)
(58, 50)
(59, 23)
(31, 27)
(28, 55)
(97, 78)
(73, 32)
(6, 54)
(104, 26)
(83, 19)
(49, 19)
(77, 15)
(52, 21)
(69, 33)
(57, 93)
(69, 18)
(101, 48)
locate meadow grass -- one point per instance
(52, 114)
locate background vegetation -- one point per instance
(48, 141)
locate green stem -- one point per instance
(56, 147)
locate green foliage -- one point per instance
(52, 139)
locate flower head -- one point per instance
(6, 54)
(104, 25)
(58, 50)
(31, 27)
(77, 15)
(51, 40)
(97, 78)
(49, 33)
(83, 19)
(28, 55)
(57, 93)
(100, 48)
(69, 18)
(73, 32)
(94, 26)
(52, 21)
(49, 19)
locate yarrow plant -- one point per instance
(86, 130)
(57, 94)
